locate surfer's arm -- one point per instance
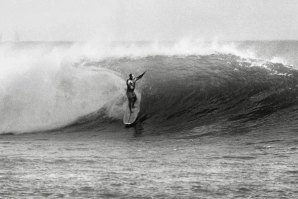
(139, 77)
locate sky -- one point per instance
(150, 20)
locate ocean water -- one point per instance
(217, 120)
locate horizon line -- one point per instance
(144, 41)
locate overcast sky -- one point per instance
(131, 20)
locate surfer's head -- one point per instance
(131, 76)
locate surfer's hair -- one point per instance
(130, 76)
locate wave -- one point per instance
(48, 86)
(189, 91)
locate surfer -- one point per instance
(131, 84)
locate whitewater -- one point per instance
(217, 120)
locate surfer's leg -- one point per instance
(134, 100)
(130, 101)
(130, 106)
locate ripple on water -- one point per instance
(239, 157)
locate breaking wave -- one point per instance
(52, 85)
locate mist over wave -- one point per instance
(42, 89)
(188, 83)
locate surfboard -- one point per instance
(130, 118)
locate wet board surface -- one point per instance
(130, 118)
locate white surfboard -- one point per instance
(130, 118)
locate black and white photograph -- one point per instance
(149, 99)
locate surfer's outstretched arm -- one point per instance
(139, 77)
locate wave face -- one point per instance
(52, 85)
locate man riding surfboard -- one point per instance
(131, 85)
